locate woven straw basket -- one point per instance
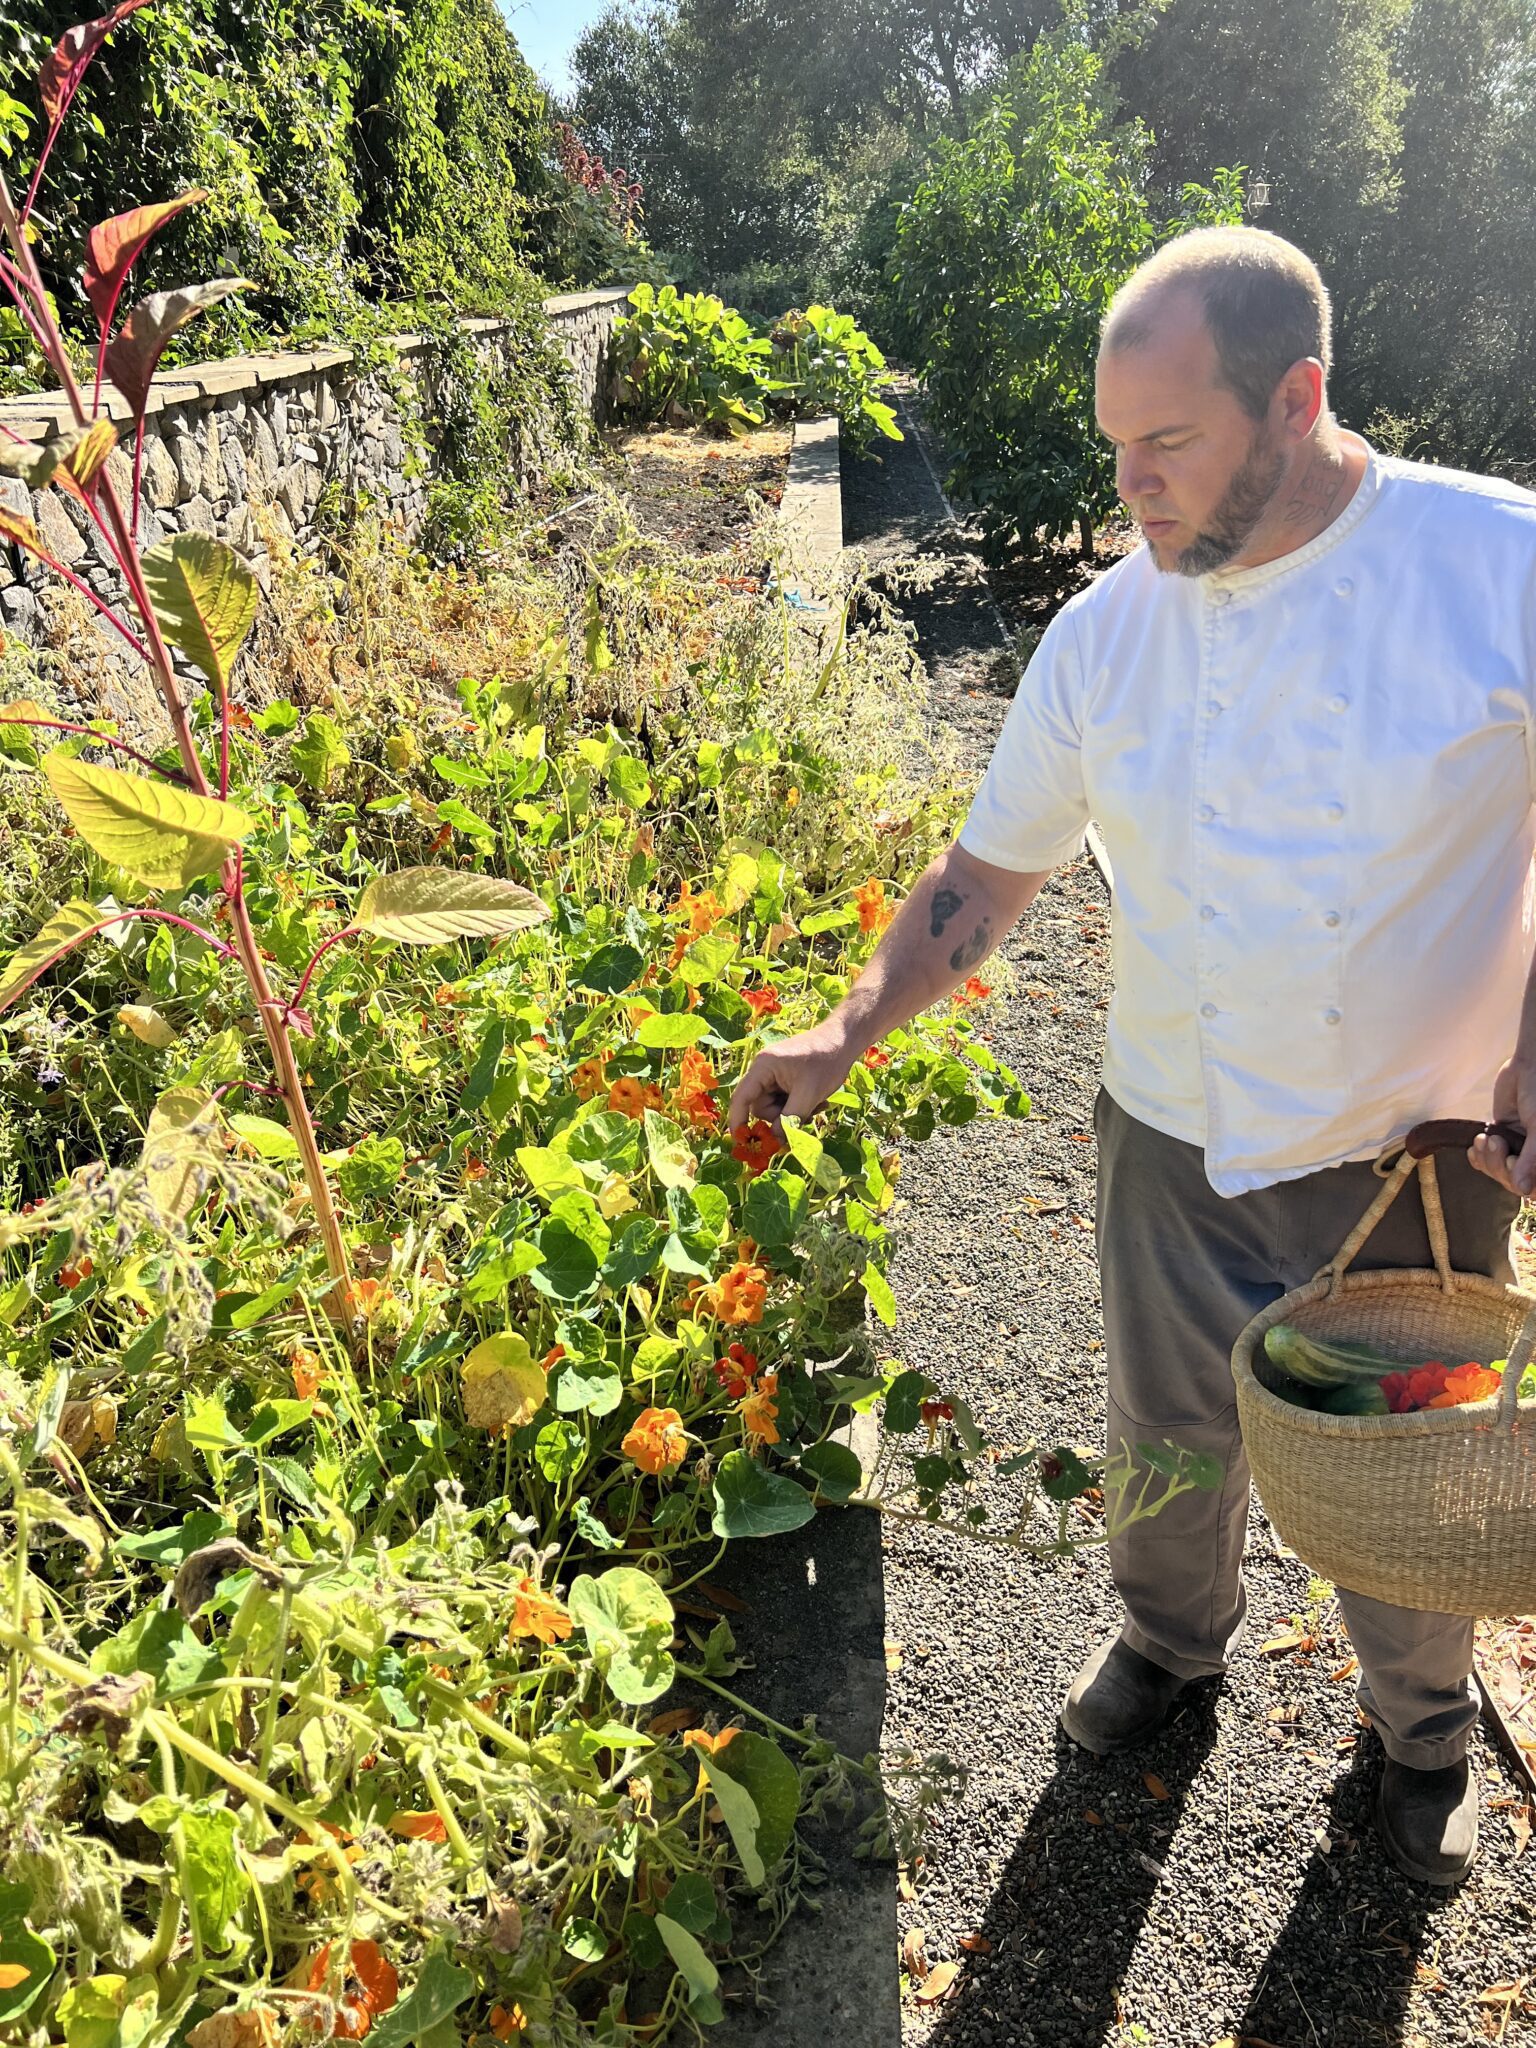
(1434, 1510)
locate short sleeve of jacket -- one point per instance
(1031, 811)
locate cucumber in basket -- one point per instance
(1327, 1361)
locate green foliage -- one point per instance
(358, 154)
(1005, 262)
(688, 356)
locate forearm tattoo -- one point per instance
(946, 902)
(974, 949)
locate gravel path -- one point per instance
(1235, 1894)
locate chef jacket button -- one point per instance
(1339, 703)
(1332, 1017)
(1207, 1009)
(1335, 812)
(1207, 911)
(1205, 814)
(1332, 919)
(1221, 597)
(1344, 587)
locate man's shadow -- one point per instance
(1069, 1911)
(1069, 1908)
(1342, 1969)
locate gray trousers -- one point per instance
(1183, 1269)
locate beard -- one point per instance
(1246, 499)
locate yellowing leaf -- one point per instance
(502, 1384)
(205, 600)
(162, 835)
(256, 2027)
(182, 1145)
(1277, 1646)
(430, 906)
(83, 462)
(139, 342)
(17, 527)
(35, 461)
(147, 1025)
(65, 929)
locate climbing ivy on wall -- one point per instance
(360, 155)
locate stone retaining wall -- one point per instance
(280, 430)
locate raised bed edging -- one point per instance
(282, 429)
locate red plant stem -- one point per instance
(102, 740)
(42, 162)
(118, 624)
(138, 471)
(160, 917)
(349, 932)
(268, 1009)
(224, 744)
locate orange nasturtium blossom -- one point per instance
(657, 1441)
(760, 1412)
(755, 1146)
(762, 1002)
(975, 991)
(371, 1988)
(536, 1613)
(633, 1097)
(589, 1078)
(694, 1100)
(505, 2024)
(307, 1373)
(874, 912)
(702, 913)
(877, 1056)
(736, 1371)
(420, 1827)
(738, 1295)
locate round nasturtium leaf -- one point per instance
(502, 1383)
(628, 1622)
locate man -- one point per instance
(1302, 715)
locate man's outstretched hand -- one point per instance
(792, 1078)
(1514, 1102)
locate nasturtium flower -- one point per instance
(615, 1197)
(736, 1371)
(657, 1441)
(590, 1078)
(694, 1100)
(975, 990)
(504, 2024)
(755, 1146)
(762, 1002)
(739, 1294)
(702, 914)
(420, 1827)
(307, 1373)
(633, 1097)
(536, 1613)
(876, 1056)
(371, 1988)
(874, 912)
(759, 1413)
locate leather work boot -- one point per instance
(1118, 1698)
(1427, 1820)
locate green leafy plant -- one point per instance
(686, 356)
(1005, 261)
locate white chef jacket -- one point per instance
(1315, 780)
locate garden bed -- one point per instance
(707, 492)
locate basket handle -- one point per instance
(1415, 1152)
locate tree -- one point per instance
(1006, 259)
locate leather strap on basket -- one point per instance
(1396, 1165)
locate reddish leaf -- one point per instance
(669, 1722)
(723, 1597)
(115, 245)
(976, 1944)
(60, 77)
(141, 340)
(1154, 1785)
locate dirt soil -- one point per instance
(702, 492)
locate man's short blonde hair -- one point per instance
(1264, 301)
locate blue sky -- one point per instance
(546, 32)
